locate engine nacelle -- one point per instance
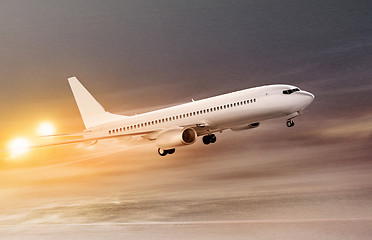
(245, 127)
(176, 137)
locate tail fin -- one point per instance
(91, 111)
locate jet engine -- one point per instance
(176, 137)
(244, 127)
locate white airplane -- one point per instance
(180, 125)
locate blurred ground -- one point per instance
(259, 184)
(338, 229)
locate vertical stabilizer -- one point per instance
(91, 111)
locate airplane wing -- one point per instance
(201, 128)
(93, 140)
(66, 134)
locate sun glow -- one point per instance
(46, 128)
(19, 146)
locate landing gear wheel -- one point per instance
(206, 140)
(162, 152)
(171, 151)
(290, 123)
(213, 138)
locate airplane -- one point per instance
(181, 125)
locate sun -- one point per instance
(46, 128)
(19, 146)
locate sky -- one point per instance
(138, 56)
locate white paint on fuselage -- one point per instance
(265, 102)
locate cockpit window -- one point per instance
(290, 91)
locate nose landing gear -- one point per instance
(207, 139)
(290, 123)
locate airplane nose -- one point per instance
(308, 97)
(309, 94)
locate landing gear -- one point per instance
(207, 139)
(290, 123)
(171, 151)
(213, 138)
(165, 152)
(162, 152)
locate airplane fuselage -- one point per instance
(237, 110)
